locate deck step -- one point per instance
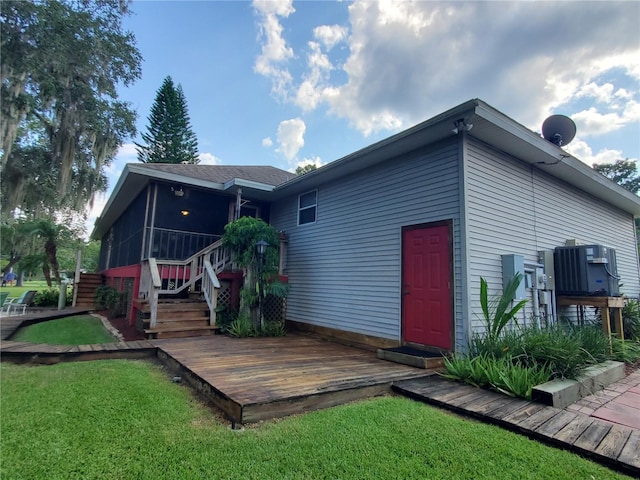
(183, 322)
(87, 286)
(181, 331)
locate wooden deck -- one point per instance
(614, 445)
(261, 378)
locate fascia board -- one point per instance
(172, 177)
(239, 182)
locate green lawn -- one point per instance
(76, 330)
(17, 291)
(32, 285)
(124, 419)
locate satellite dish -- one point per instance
(559, 130)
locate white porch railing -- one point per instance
(210, 286)
(170, 277)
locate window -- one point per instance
(307, 203)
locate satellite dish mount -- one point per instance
(559, 130)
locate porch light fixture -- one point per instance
(184, 212)
(261, 248)
(178, 192)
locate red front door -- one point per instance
(426, 286)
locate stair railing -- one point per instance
(210, 284)
(170, 277)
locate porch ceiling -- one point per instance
(135, 178)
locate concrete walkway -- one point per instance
(617, 403)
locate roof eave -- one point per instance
(533, 149)
(135, 177)
(514, 139)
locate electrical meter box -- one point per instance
(586, 270)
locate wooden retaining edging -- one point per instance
(613, 445)
(21, 352)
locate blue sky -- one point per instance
(286, 83)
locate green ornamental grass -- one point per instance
(124, 419)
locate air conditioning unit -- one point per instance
(586, 270)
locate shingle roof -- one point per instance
(223, 173)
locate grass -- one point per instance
(14, 291)
(124, 419)
(76, 330)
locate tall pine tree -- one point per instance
(169, 138)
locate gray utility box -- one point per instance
(586, 270)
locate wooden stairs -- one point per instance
(87, 286)
(179, 318)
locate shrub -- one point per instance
(242, 327)
(49, 298)
(225, 316)
(495, 309)
(108, 298)
(625, 351)
(506, 374)
(273, 329)
(631, 319)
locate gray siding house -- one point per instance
(387, 245)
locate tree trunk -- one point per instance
(52, 257)
(12, 261)
(47, 274)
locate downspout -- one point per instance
(465, 313)
(153, 218)
(236, 215)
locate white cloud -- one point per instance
(290, 137)
(580, 149)
(267, 142)
(592, 121)
(330, 35)
(623, 94)
(313, 88)
(317, 161)
(208, 159)
(601, 93)
(410, 60)
(419, 58)
(275, 52)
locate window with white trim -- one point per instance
(307, 203)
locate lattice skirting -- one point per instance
(224, 294)
(275, 309)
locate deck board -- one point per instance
(282, 375)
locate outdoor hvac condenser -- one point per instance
(586, 270)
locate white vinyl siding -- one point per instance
(345, 270)
(515, 208)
